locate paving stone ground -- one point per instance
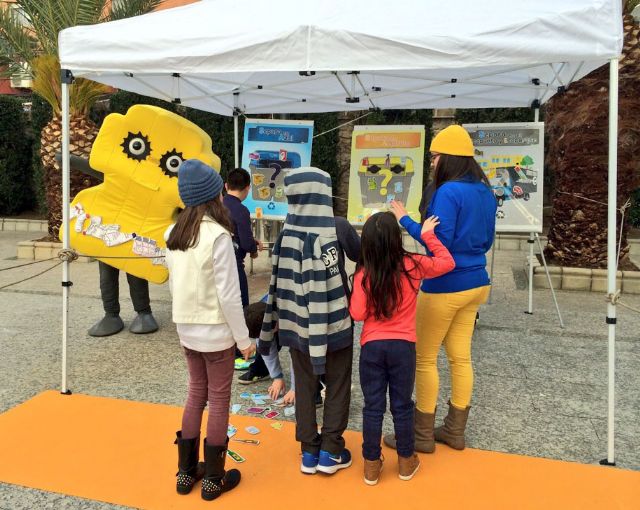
(540, 390)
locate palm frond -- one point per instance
(130, 8)
(17, 45)
(84, 94)
(46, 81)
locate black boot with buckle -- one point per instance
(216, 480)
(189, 469)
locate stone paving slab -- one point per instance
(540, 390)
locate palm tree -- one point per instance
(29, 45)
(577, 129)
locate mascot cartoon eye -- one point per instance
(136, 146)
(170, 162)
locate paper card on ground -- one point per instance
(289, 411)
(235, 408)
(271, 415)
(245, 395)
(231, 430)
(277, 425)
(235, 456)
(252, 430)
(257, 410)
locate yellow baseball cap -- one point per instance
(453, 140)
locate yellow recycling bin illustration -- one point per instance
(123, 220)
(386, 165)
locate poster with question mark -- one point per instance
(271, 149)
(386, 164)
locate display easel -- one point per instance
(533, 238)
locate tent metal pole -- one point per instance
(493, 258)
(67, 79)
(236, 141)
(611, 255)
(536, 115)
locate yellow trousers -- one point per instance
(446, 318)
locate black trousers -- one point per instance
(110, 290)
(337, 379)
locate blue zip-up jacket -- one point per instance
(467, 213)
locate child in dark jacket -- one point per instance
(385, 288)
(308, 304)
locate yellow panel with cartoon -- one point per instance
(126, 216)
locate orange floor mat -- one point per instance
(121, 452)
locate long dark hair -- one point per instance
(186, 231)
(456, 168)
(382, 262)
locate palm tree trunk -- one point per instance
(82, 133)
(343, 158)
(577, 131)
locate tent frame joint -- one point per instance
(66, 76)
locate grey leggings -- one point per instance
(110, 290)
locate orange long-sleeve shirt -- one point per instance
(402, 325)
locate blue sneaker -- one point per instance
(329, 463)
(309, 463)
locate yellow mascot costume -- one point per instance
(122, 221)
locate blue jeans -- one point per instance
(392, 364)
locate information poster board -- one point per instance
(272, 148)
(512, 157)
(386, 164)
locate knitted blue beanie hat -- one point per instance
(198, 183)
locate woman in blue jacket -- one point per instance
(446, 311)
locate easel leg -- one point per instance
(530, 242)
(546, 270)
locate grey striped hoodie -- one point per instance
(307, 300)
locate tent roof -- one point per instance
(405, 54)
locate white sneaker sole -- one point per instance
(329, 470)
(374, 482)
(307, 470)
(409, 477)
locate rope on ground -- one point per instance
(31, 277)
(28, 264)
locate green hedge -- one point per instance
(15, 162)
(41, 114)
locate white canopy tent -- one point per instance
(287, 56)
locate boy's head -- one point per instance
(238, 183)
(253, 315)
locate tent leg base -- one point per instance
(68, 392)
(605, 462)
(528, 313)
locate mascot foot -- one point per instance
(108, 325)
(143, 323)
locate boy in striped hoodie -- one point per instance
(308, 303)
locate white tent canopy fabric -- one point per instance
(293, 56)
(406, 54)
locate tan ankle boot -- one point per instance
(423, 426)
(372, 470)
(452, 432)
(408, 466)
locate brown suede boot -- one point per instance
(372, 470)
(452, 432)
(423, 423)
(407, 467)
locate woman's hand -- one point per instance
(398, 210)
(430, 223)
